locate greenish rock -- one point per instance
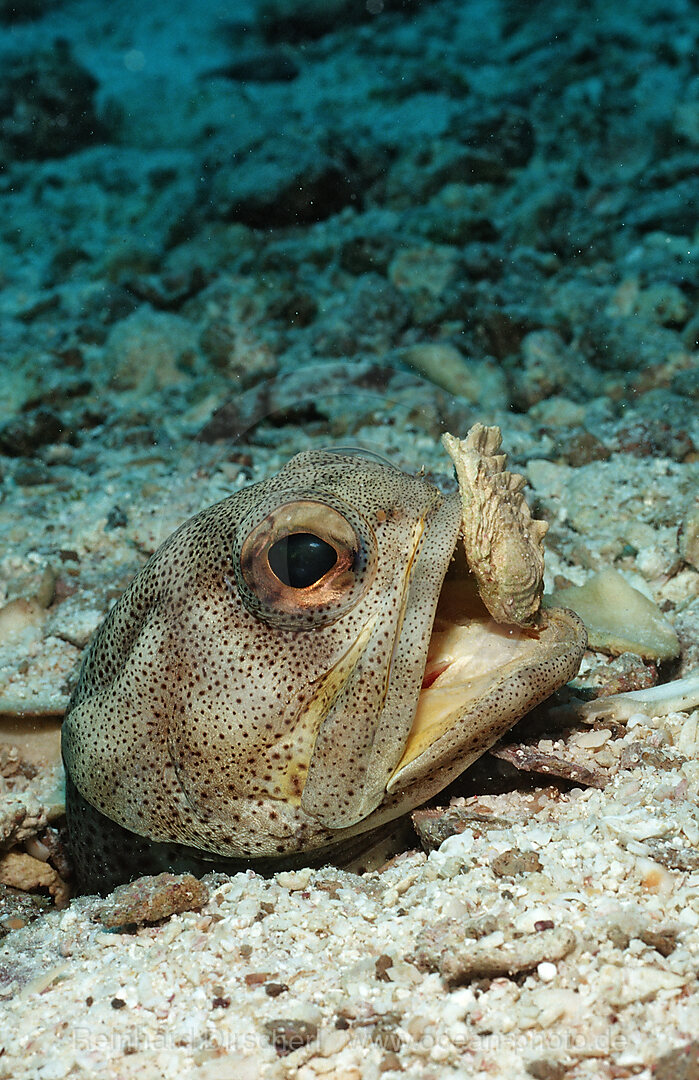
(618, 617)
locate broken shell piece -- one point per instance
(676, 696)
(619, 618)
(22, 871)
(33, 728)
(18, 616)
(24, 613)
(531, 759)
(443, 365)
(503, 543)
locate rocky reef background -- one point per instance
(501, 197)
(232, 234)
(234, 230)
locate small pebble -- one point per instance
(294, 880)
(287, 1035)
(591, 740)
(637, 719)
(150, 899)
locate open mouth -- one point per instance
(493, 653)
(469, 656)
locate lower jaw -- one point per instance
(467, 653)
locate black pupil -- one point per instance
(301, 559)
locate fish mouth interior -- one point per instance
(468, 654)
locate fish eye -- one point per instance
(301, 559)
(304, 562)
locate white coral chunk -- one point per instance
(503, 543)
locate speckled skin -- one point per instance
(231, 716)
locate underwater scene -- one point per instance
(349, 539)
